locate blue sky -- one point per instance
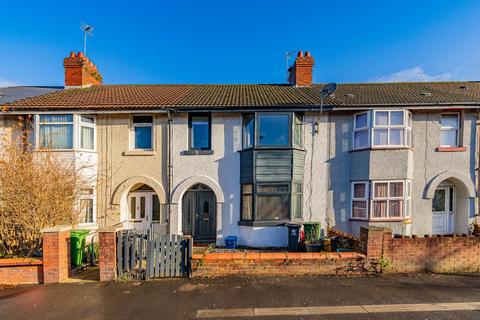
(242, 41)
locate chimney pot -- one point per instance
(307, 53)
(72, 54)
(300, 54)
(80, 54)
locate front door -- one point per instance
(443, 211)
(140, 205)
(199, 218)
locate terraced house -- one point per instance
(244, 160)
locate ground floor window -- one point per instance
(86, 206)
(247, 201)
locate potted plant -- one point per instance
(312, 237)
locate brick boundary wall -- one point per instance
(107, 255)
(56, 254)
(21, 271)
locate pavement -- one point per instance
(327, 298)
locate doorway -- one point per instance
(199, 213)
(443, 210)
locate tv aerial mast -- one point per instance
(87, 30)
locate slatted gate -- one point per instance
(146, 254)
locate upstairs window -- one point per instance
(142, 132)
(200, 136)
(361, 130)
(56, 131)
(392, 129)
(274, 130)
(449, 131)
(87, 132)
(297, 130)
(248, 130)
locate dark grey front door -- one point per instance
(199, 218)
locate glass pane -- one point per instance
(143, 137)
(396, 189)
(410, 121)
(448, 138)
(381, 190)
(274, 130)
(450, 202)
(56, 118)
(56, 136)
(142, 119)
(86, 215)
(273, 207)
(381, 118)
(397, 137)
(272, 188)
(155, 208)
(359, 209)
(360, 139)
(380, 137)
(379, 209)
(87, 119)
(247, 189)
(133, 207)
(450, 121)
(297, 206)
(396, 118)
(359, 190)
(297, 133)
(86, 138)
(361, 120)
(248, 130)
(200, 135)
(439, 201)
(396, 208)
(142, 207)
(247, 207)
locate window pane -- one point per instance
(396, 118)
(397, 137)
(396, 189)
(200, 133)
(396, 208)
(297, 133)
(381, 190)
(86, 214)
(143, 137)
(359, 190)
(87, 119)
(273, 207)
(381, 118)
(56, 136)
(448, 138)
(360, 139)
(86, 138)
(361, 120)
(410, 121)
(449, 121)
(142, 207)
(359, 209)
(247, 189)
(297, 206)
(56, 118)
(379, 209)
(247, 207)
(380, 137)
(272, 188)
(439, 201)
(274, 130)
(155, 208)
(142, 119)
(248, 130)
(133, 207)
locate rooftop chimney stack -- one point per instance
(80, 72)
(300, 73)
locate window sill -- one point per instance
(451, 149)
(139, 153)
(196, 152)
(279, 223)
(382, 149)
(379, 220)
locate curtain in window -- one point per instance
(56, 118)
(396, 189)
(380, 209)
(361, 139)
(381, 190)
(359, 209)
(87, 137)
(56, 136)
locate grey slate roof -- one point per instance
(11, 94)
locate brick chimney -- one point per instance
(80, 72)
(300, 73)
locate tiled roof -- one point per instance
(255, 96)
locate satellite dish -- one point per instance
(328, 90)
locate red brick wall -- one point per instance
(56, 254)
(107, 255)
(21, 271)
(80, 71)
(301, 73)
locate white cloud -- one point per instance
(416, 74)
(6, 83)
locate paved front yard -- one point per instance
(183, 299)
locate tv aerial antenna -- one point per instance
(87, 30)
(288, 55)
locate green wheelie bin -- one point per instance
(77, 245)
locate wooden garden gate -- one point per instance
(146, 254)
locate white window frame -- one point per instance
(135, 125)
(408, 199)
(388, 198)
(366, 184)
(37, 130)
(87, 125)
(457, 129)
(93, 199)
(406, 129)
(367, 128)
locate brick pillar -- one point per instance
(374, 239)
(56, 254)
(107, 255)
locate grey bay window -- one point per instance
(271, 168)
(200, 132)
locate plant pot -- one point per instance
(313, 247)
(476, 228)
